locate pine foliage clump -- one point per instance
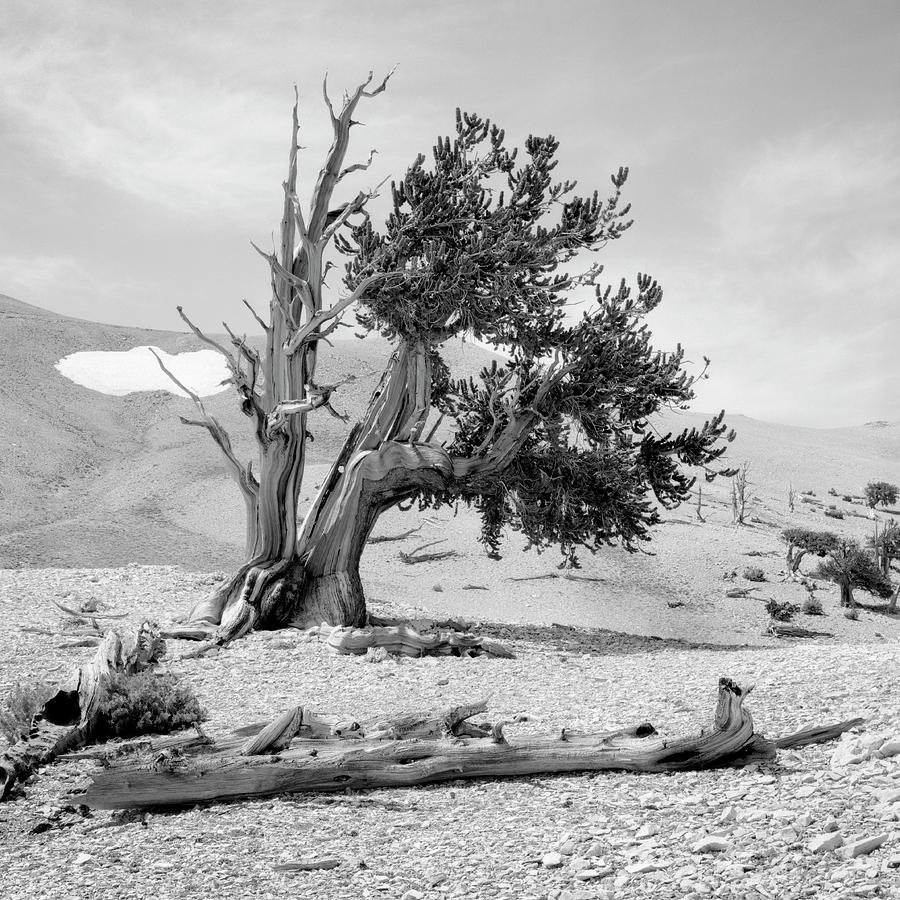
(557, 442)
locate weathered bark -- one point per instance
(847, 594)
(70, 717)
(414, 750)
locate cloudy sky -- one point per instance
(144, 146)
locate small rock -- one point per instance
(831, 825)
(894, 862)
(890, 748)
(376, 654)
(646, 830)
(641, 868)
(590, 874)
(822, 842)
(806, 791)
(551, 860)
(889, 796)
(568, 847)
(595, 849)
(437, 588)
(413, 894)
(863, 846)
(83, 859)
(711, 845)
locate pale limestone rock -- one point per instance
(822, 842)
(711, 845)
(863, 846)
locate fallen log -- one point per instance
(69, 718)
(422, 751)
(406, 640)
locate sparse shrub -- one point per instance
(852, 613)
(146, 703)
(781, 611)
(20, 706)
(832, 492)
(808, 493)
(833, 513)
(880, 492)
(812, 606)
(847, 498)
(754, 573)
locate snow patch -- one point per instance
(127, 372)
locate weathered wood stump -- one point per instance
(69, 718)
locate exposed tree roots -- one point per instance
(301, 751)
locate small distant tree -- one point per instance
(792, 497)
(849, 567)
(886, 546)
(880, 492)
(739, 485)
(801, 541)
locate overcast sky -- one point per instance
(144, 145)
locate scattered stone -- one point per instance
(551, 860)
(83, 859)
(711, 845)
(413, 894)
(590, 874)
(641, 868)
(437, 588)
(822, 842)
(806, 791)
(863, 846)
(890, 748)
(646, 830)
(376, 654)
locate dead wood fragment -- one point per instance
(567, 575)
(69, 718)
(416, 556)
(86, 614)
(816, 735)
(385, 538)
(475, 587)
(275, 736)
(311, 865)
(370, 757)
(406, 640)
(781, 629)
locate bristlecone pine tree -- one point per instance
(849, 567)
(555, 443)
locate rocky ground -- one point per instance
(820, 822)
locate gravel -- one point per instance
(754, 832)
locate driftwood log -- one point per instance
(69, 719)
(303, 752)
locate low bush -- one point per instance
(847, 498)
(781, 612)
(834, 513)
(754, 573)
(20, 706)
(147, 703)
(812, 606)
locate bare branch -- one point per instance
(381, 86)
(242, 475)
(205, 338)
(256, 316)
(358, 167)
(308, 332)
